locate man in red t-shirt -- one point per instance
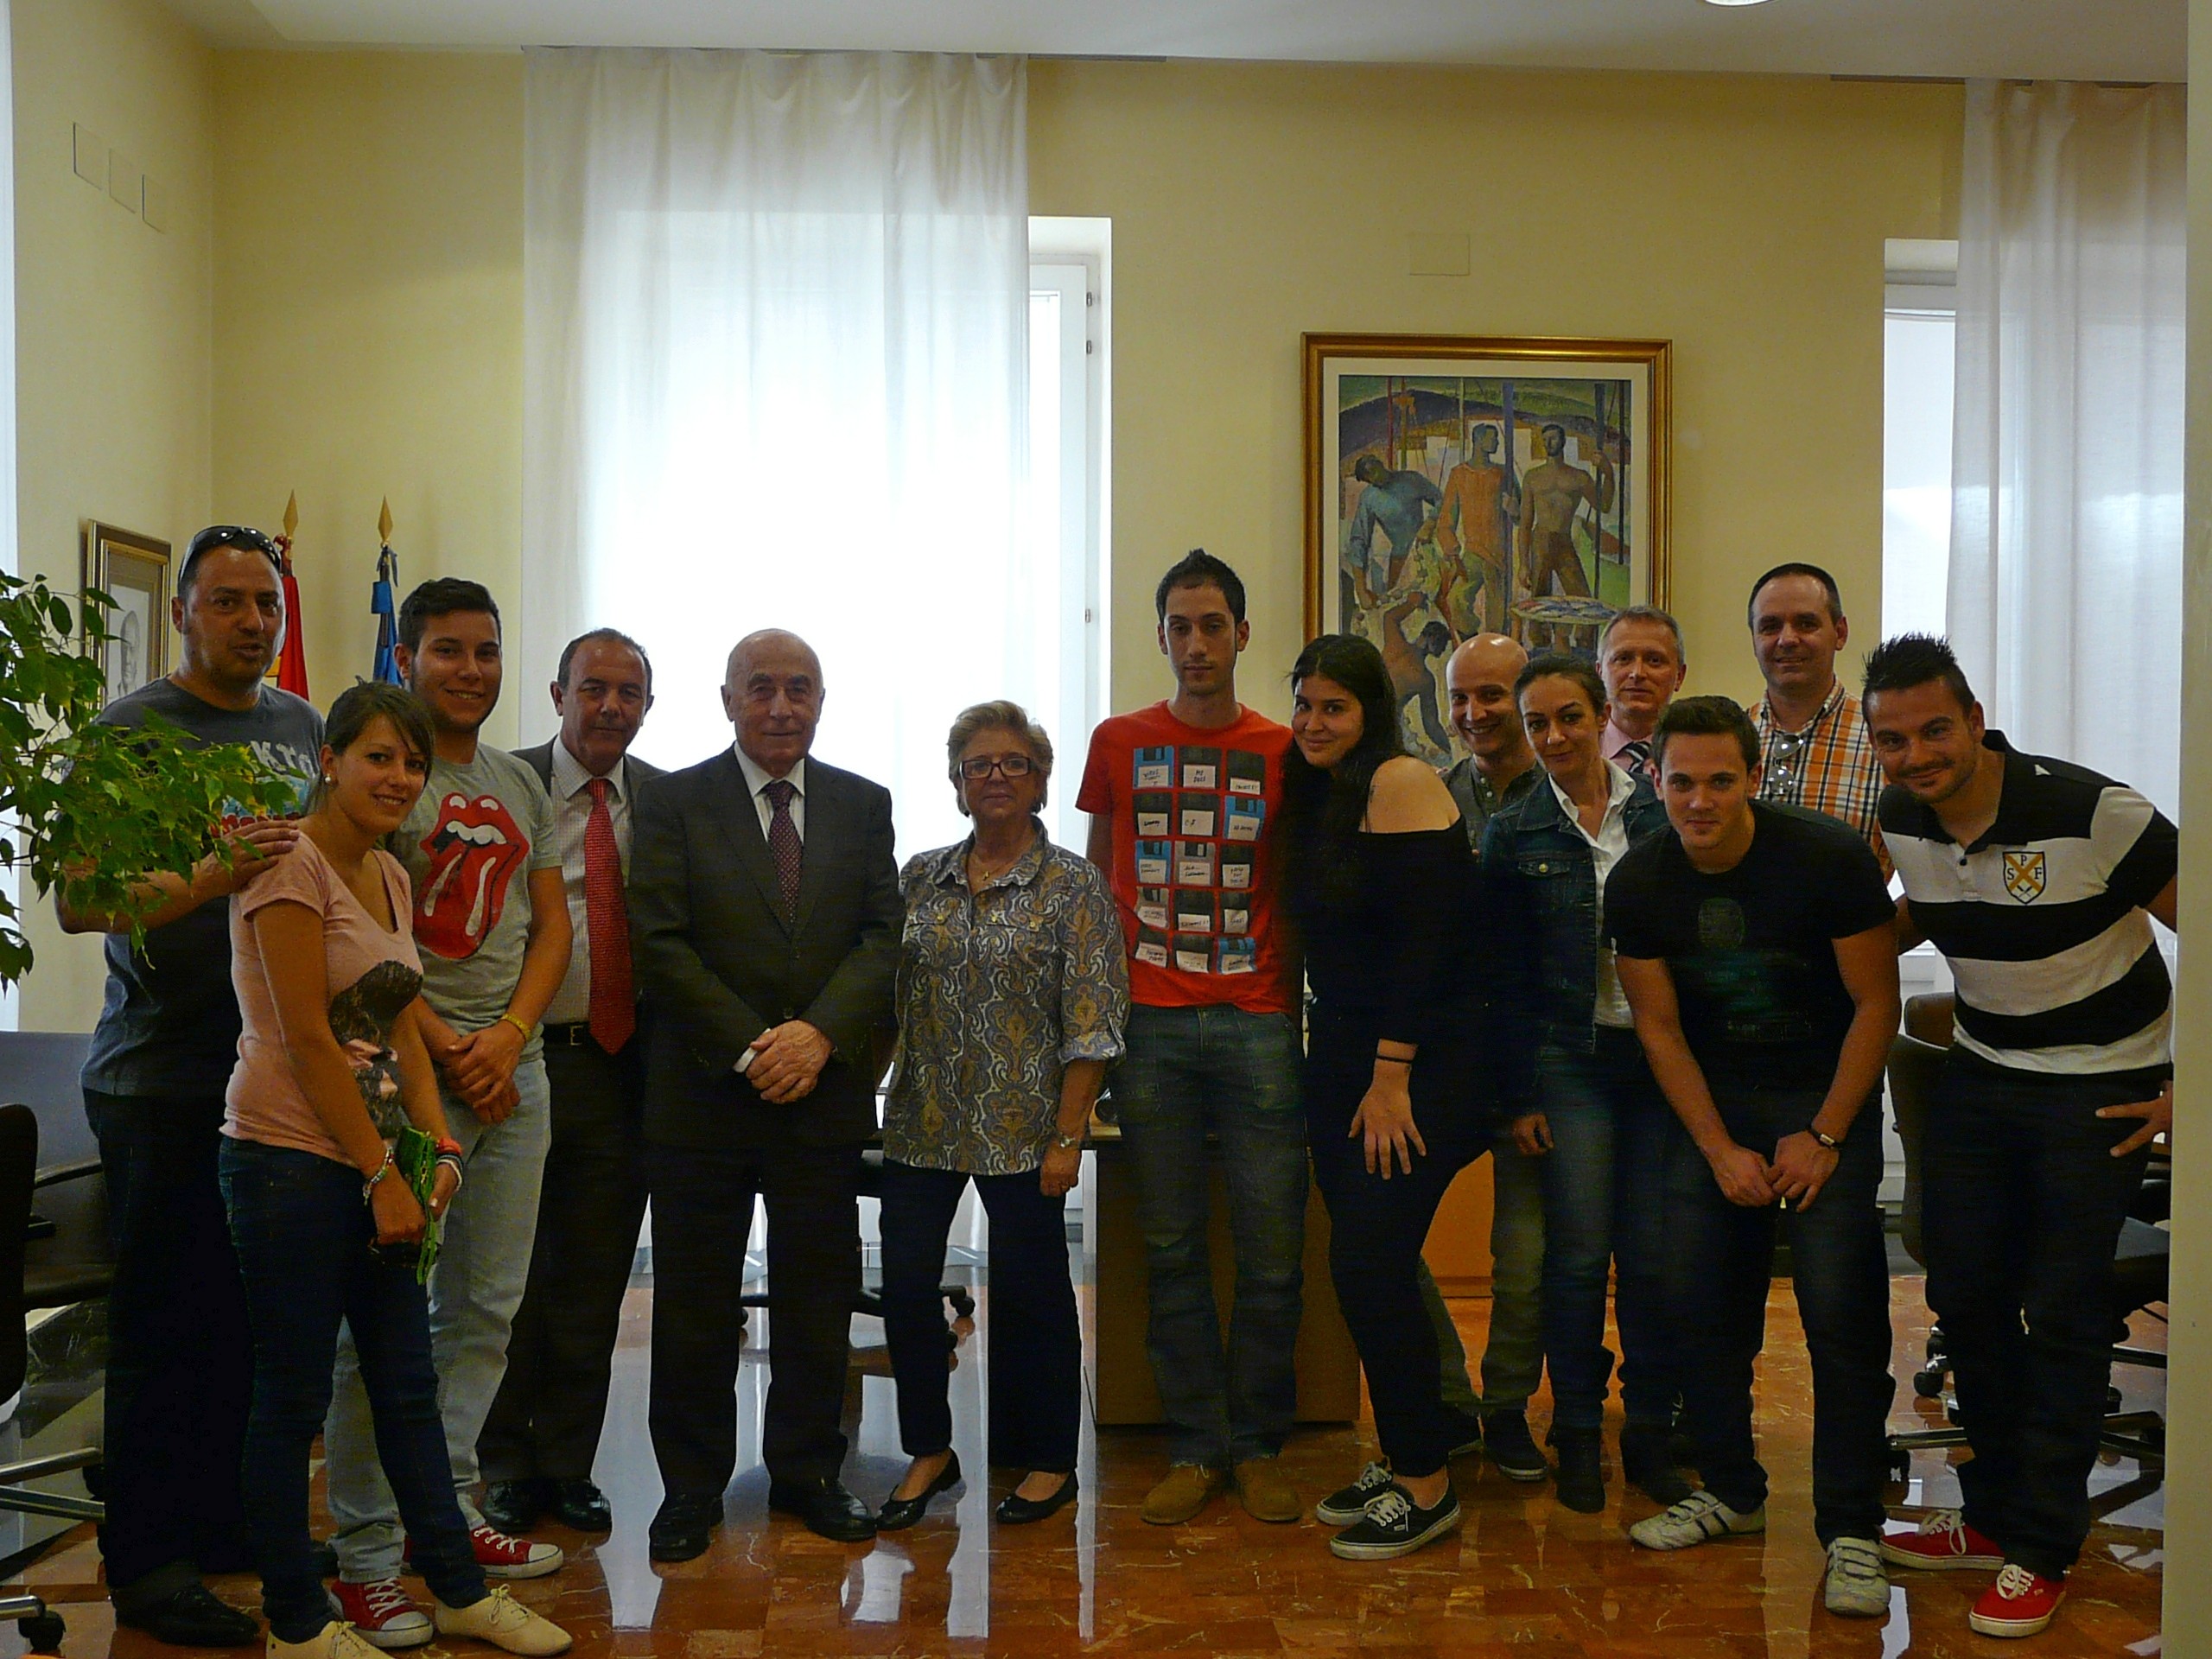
(1183, 797)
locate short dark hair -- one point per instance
(370, 700)
(599, 637)
(1568, 666)
(1552, 426)
(1706, 716)
(1796, 568)
(1199, 569)
(1913, 660)
(245, 537)
(1643, 613)
(441, 596)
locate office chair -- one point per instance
(868, 1302)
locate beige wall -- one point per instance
(111, 325)
(1742, 219)
(368, 324)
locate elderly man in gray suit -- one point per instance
(542, 1437)
(765, 916)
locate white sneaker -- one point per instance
(505, 1623)
(1857, 1587)
(1698, 1519)
(335, 1640)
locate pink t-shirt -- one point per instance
(372, 974)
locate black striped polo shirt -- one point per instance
(2043, 918)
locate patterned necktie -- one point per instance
(1634, 756)
(783, 841)
(607, 927)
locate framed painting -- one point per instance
(1458, 486)
(133, 570)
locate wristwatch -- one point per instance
(1828, 1141)
(1066, 1142)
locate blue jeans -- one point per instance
(1718, 1265)
(1188, 1073)
(1611, 1127)
(483, 1268)
(303, 1235)
(2021, 1207)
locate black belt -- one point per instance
(572, 1036)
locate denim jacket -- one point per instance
(1539, 892)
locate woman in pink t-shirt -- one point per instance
(331, 1067)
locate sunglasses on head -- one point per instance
(245, 537)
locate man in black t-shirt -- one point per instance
(1756, 947)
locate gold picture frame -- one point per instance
(133, 570)
(1527, 477)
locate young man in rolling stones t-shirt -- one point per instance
(1183, 796)
(491, 918)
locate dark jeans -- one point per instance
(702, 1212)
(1033, 1344)
(2021, 1207)
(1604, 1199)
(546, 1419)
(1377, 1226)
(1718, 1265)
(180, 1366)
(303, 1239)
(1188, 1073)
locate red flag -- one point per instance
(292, 660)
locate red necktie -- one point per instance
(783, 841)
(607, 926)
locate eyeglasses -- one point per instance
(978, 767)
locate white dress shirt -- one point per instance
(1607, 848)
(757, 780)
(571, 1004)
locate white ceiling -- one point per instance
(2082, 39)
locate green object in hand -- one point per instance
(415, 1156)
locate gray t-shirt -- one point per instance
(469, 847)
(169, 1027)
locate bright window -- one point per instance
(1916, 381)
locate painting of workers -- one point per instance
(1464, 486)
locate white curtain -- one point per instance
(775, 376)
(2066, 531)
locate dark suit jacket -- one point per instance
(639, 772)
(719, 964)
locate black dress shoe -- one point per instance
(579, 1504)
(826, 1507)
(514, 1506)
(1016, 1510)
(899, 1513)
(684, 1527)
(191, 1618)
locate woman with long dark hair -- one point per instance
(1378, 874)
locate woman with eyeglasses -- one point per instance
(1013, 993)
(1575, 1084)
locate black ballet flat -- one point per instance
(1018, 1511)
(899, 1513)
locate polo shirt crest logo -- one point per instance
(2024, 876)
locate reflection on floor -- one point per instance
(1524, 1574)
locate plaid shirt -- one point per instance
(1830, 766)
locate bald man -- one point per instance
(765, 919)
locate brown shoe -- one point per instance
(1182, 1494)
(1267, 1494)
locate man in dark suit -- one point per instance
(542, 1437)
(765, 916)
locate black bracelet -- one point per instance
(1827, 1140)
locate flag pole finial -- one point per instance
(383, 520)
(292, 513)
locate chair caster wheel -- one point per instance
(94, 1476)
(962, 1303)
(1928, 1384)
(44, 1631)
(1900, 1467)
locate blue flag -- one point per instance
(386, 609)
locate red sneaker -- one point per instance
(2020, 1603)
(1941, 1544)
(502, 1557)
(383, 1614)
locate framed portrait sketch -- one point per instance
(134, 571)
(1464, 485)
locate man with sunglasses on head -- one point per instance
(180, 1368)
(1813, 745)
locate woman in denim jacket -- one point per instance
(1574, 1083)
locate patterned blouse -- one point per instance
(998, 991)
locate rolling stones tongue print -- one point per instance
(473, 847)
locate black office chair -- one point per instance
(1916, 1059)
(869, 1301)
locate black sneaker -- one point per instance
(1394, 1525)
(1647, 1463)
(1581, 1470)
(191, 1618)
(1512, 1448)
(1467, 1432)
(1347, 1503)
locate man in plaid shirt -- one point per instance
(1812, 739)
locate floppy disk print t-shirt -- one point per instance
(1191, 809)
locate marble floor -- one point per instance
(1525, 1576)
